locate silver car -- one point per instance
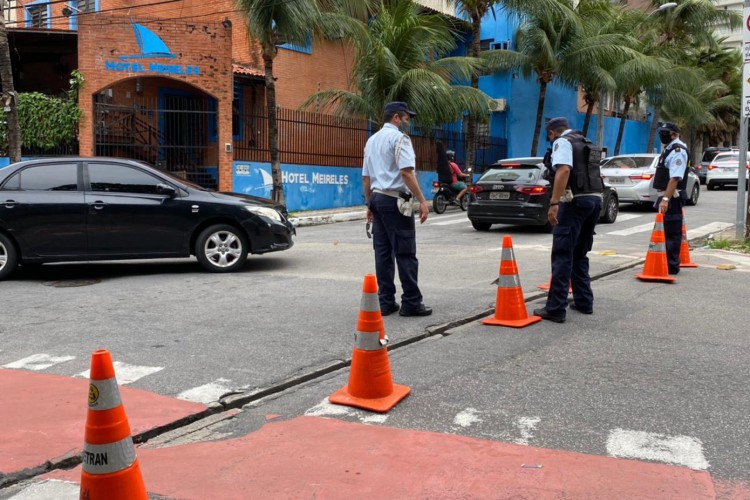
(633, 178)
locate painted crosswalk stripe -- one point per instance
(449, 222)
(207, 393)
(633, 230)
(38, 362)
(676, 450)
(621, 217)
(127, 374)
(701, 231)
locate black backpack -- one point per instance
(586, 177)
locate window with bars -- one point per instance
(9, 11)
(86, 5)
(37, 15)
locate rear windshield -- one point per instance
(722, 157)
(709, 155)
(621, 162)
(512, 173)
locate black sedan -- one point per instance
(86, 209)
(517, 191)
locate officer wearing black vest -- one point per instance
(574, 208)
(670, 182)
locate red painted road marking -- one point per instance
(310, 457)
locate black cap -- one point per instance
(556, 123)
(672, 127)
(398, 107)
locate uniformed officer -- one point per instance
(573, 218)
(670, 182)
(389, 179)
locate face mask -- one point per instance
(665, 136)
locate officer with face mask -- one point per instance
(670, 182)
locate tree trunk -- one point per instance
(652, 131)
(621, 130)
(277, 191)
(471, 125)
(539, 116)
(9, 95)
(587, 120)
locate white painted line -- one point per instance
(436, 218)
(701, 231)
(206, 393)
(466, 418)
(526, 425)
(621, 217)
(38, 362)
(633, 230)
(677, 450)
(325, 409)
(49, 490)
(374, 419)
(127, 374)
(449, 222)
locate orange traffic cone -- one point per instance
(685, 247)
(655, 268)
(546, 286)
(370, 384)
(510, 308)
(110, 466)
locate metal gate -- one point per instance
(176, 132)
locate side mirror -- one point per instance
(166, 189)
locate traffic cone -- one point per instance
(370, 384)
(655, 268)
(510, 307)
(685, 247)
(546, 286)
(110, 466)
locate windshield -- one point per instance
(726, 157)
(512, 173)
(619, 162)
(176, 179)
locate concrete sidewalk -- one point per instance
(327, 216)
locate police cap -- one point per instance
(556, 123)
(397, 107)
(672, 127)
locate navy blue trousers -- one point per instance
(673, 233)
(395, 243)
(572, 239)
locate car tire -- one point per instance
(611, 209)
(8, 257)
(694, 195)
(465, 202)
(481, 226)
(221, 248)
(439, 203)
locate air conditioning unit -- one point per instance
(498, 105)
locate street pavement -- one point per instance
(646, 398)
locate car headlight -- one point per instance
(265, 212)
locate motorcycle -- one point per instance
(445, 196)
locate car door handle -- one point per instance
(98, 205)
(10, 203)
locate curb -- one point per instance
(316, 220)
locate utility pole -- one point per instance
(744, 113)
(9, 98)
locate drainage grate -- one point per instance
(70, 283)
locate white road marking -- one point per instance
(701, 231)
(38, 362)
(633, 230)
(328, 409)
(526, 425)
(449, 222)
(466, 417)
(49, 490)
(677, 450)
(127, 374)
(621, 217)
(206, 393)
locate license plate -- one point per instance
(499, 196)
(616, 180)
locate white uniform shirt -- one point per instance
(562, 152)
(676, 162)
(381, 164)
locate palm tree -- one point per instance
(272, 23)
(8, 97)
(398, 57)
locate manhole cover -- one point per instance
(70, 283)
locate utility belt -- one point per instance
(403, 200)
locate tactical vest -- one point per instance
(585, 177)
(661, 178)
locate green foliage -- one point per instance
(47, 122)
(731, 245)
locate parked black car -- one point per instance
(85, 209)
(517, 191)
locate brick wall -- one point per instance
(206, 45)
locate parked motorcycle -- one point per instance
(444, 196)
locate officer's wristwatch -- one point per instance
(665, 198)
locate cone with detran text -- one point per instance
(370, 384)
(655, 267)
(110, 466)
(510, 307)
(685, 260)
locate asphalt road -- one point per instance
(287, 320)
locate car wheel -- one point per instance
(481, 226)
(8, 257)
(221, 249)
(439, 203)
(465, 202)
(611, 209)
(694, 194)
